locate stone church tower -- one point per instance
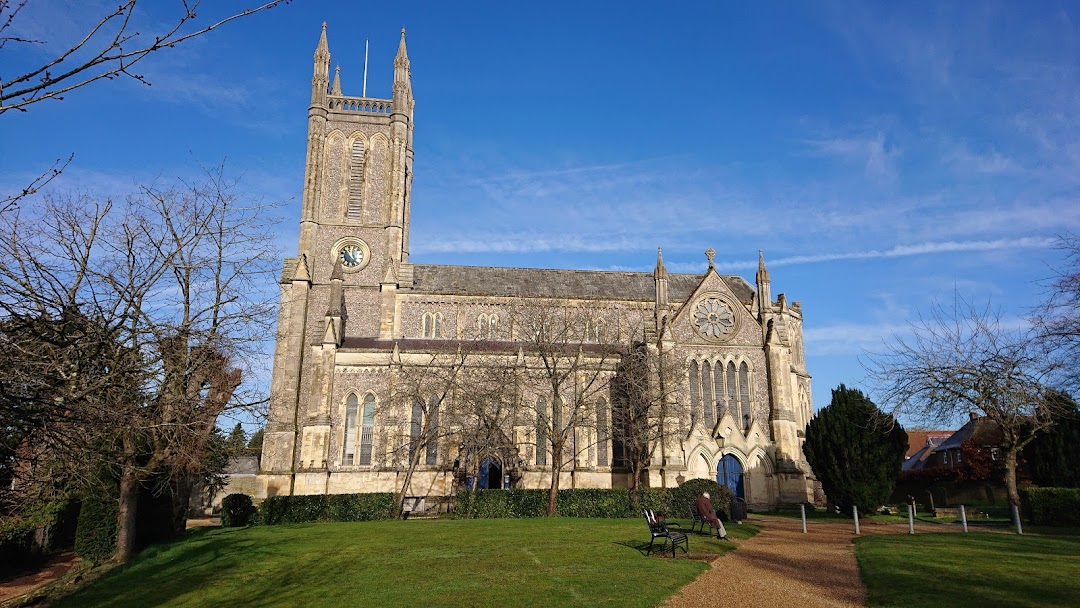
(354, 308)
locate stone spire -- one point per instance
(659, 272)
(762, 280)
(320, 78)
(335, 311)
(402, 79)
(660, 281)
(335, 89)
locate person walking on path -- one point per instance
(705, 508)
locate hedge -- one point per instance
(1051, 506)
(95, 534)
(236, 510)
(17, 549)
(491, 504)
(332, 507)
(616, 502)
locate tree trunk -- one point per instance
(556, 469)
(1010, 476)
(399, 504)
(125, 516)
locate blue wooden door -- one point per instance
(729, 473)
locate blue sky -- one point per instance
(882, 155)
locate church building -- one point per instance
(356, 311)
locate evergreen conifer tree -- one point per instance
(1052, 458)
(855, 450)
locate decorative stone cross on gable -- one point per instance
(709, 253)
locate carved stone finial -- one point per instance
(709, 253)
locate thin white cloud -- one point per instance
(898, 251)
(877, 158)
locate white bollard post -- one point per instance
(802, 509)
(963, 518)
(855, 511)
(910, 520)
(1016, 519)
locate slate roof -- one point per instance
(549, 283)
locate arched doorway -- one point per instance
(729, 473)
(491, 474)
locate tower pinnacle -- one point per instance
(335, 89)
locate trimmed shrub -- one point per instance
(333, 507)
(236, 510)
(1051, 506)
(17, 549)
(95, 534)
(583, 502)
(492, 504)
(685, 495)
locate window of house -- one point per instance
(349, 451)
(995, 453)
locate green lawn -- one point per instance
(524, 562)
(978, 569)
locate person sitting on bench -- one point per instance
(704, 507)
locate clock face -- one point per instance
(352, 256)
(714, 318)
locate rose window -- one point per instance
(714, 318)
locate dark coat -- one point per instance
(704, 506)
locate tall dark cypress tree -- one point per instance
(855, 450)
(1052, 458)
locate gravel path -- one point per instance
(782, 567)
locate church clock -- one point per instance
(353, 253)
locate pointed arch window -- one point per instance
(367, 427)
(416, 426)
(431, 324)
(349, 450)
(718, 389)
(695, 391)
(541, 431)
(432, 455)
(708, 409)
(744, 394)
(493, 326)
(732, 392)
(602, 433)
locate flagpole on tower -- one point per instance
(364, 93)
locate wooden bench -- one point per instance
(669, 537)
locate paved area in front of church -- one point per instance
(782, 567)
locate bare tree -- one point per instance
(566, 371)
(1058, 320)
(111, 47)
(156, 310)
(961, 360)
(647, 403)
(423, 391)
